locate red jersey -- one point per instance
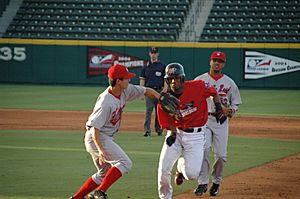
(192, 107)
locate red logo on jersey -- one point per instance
(222, 89)
(116, 116)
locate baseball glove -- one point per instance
(169, 103)
(220, 115)
(227, 110)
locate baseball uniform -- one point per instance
(106, 117)
(190, 137)
(217, 134)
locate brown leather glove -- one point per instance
(220, 115)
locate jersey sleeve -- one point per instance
(133, 92)
(164, 119)
(143, 74)
(99, 116)
(235, 97)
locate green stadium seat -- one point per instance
(253, 21)
(69, 17)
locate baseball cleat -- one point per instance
(98, 194)
(179, 178)
(201, 189)
(214, 190)
(90, 196)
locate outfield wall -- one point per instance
(68, 61)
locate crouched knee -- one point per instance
(124, 166)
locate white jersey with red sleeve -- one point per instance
(226, 88)
(193, 106)
(108, 109)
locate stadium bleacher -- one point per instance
(151, 20)
(3, 5)
(155, 20)
(253, 21)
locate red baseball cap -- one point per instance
(218, 55)
(119, 71)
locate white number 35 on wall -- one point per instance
(16, 53)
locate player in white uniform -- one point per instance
(104, 122)
(216, 133)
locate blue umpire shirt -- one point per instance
(154, 73)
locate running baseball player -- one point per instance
(185, 136)
(104, 122)
(216, 133)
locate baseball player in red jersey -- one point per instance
(185, 136)
(216, 133)
(104, 122)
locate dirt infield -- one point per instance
(278, 179)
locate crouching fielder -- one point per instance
(185, 136)
(104, 122)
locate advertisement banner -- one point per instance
(260, 65)
(100, 60)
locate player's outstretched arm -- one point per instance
(151, 93)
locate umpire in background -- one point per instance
(152, 75)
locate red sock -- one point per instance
(86, 188)
(112, 175)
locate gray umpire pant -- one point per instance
(150, 104)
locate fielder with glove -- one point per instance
(219, 115)
(110, 160)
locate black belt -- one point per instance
(190, 130)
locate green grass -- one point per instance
(255, 102)
(270, 102)
(48, 97)
(54, 164)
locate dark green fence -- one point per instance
(65, 62)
